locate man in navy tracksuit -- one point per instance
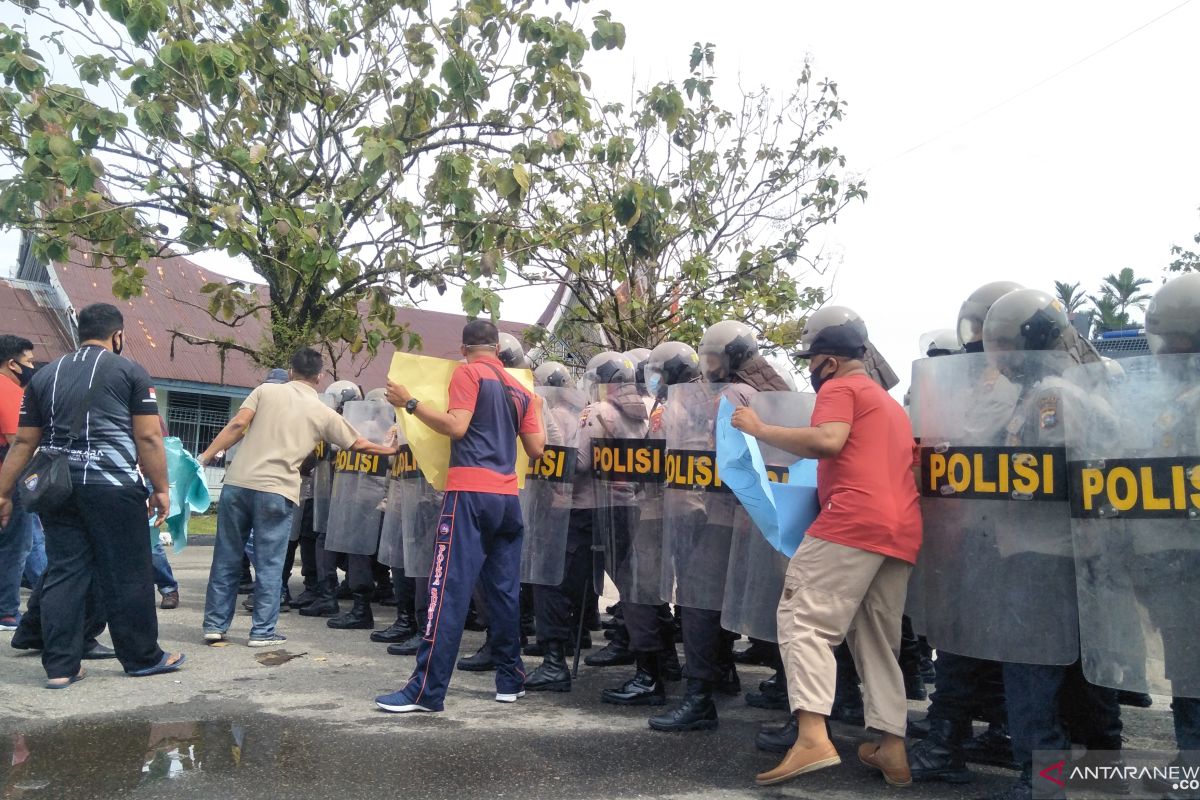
(480, 529)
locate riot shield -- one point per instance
(698, 511)
(391, 536)
(1135, 508)
(420, 507)
(754, 580)
(997, 561)
(322, 477)
(549, 488)
(615, 423)
(360, 483)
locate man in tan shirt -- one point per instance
(277, 426)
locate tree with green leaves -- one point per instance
(1125, 289)
(1185, 260)
(1108, 315)
(685, 212)
(1070, 295)
(354, 153)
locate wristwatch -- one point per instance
(411, 406)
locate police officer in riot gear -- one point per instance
(974, 310)
(619, 411)
(649, 626)
(511, 354)
(1022, 322)
(554, 374)
(324, 602)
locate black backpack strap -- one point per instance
(512, 403)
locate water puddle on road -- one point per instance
(112, 759)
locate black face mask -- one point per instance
(118, 346)
(25, 375)
(820, 379)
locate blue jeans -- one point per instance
(164, 578)
(269, 515)
(35, 563)
(16, 542)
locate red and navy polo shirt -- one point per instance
(485, 459)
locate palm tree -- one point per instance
(1109, 316)
(1125, 289)
(1070, 295)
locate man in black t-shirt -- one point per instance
(99, 533)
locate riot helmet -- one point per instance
(554, 374)
(941, 342)
(668, 364)
(344, 391)
(377, 395)
(975, 310)
(510, 352)
(833, 331)
(638, 356)
(1025, 320)
(1173, 317)
(608, 367)
(725, 347)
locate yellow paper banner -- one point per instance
(429, 381)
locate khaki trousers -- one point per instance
(834, 593)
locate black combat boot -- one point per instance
(645, 688)
(994, 747)
(408, 647)
(730, 684)
(326, 605)
(285, 600)
(552, 675)
(310, 593)
(939, 756)
(482, 661)
(771, 694)
(403, 628)
(358, 618)
(778, 740)
(696, 712)
(759, 652)
(614, 654)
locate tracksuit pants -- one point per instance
(478, 539)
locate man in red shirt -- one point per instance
(849, 578)
(16, 539)
(480, 530)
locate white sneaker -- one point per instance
(509, 698)
(213, 636)
(274, 638)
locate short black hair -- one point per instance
(13, 347)
(480, 332)
(307, 363)
(99, 321)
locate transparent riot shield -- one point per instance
(997, 561)
(698, 511)
(322, 477)
(549, 488)
(1135, 508)
(641, 570)
(420, 507)
(615, 424)
(360, 483)
(391, 536)
(754, 580)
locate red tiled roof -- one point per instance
(22, 315)
(171, 300)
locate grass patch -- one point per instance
(201, 524)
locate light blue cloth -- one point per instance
(782, 511)
(189, 491)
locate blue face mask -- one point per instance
(652, 384)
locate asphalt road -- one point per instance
(228, 726)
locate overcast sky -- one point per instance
(990, 152)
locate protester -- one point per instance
(17, 538)
(480, 531)
(98, 535)
(276, 428)
(849, 577)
